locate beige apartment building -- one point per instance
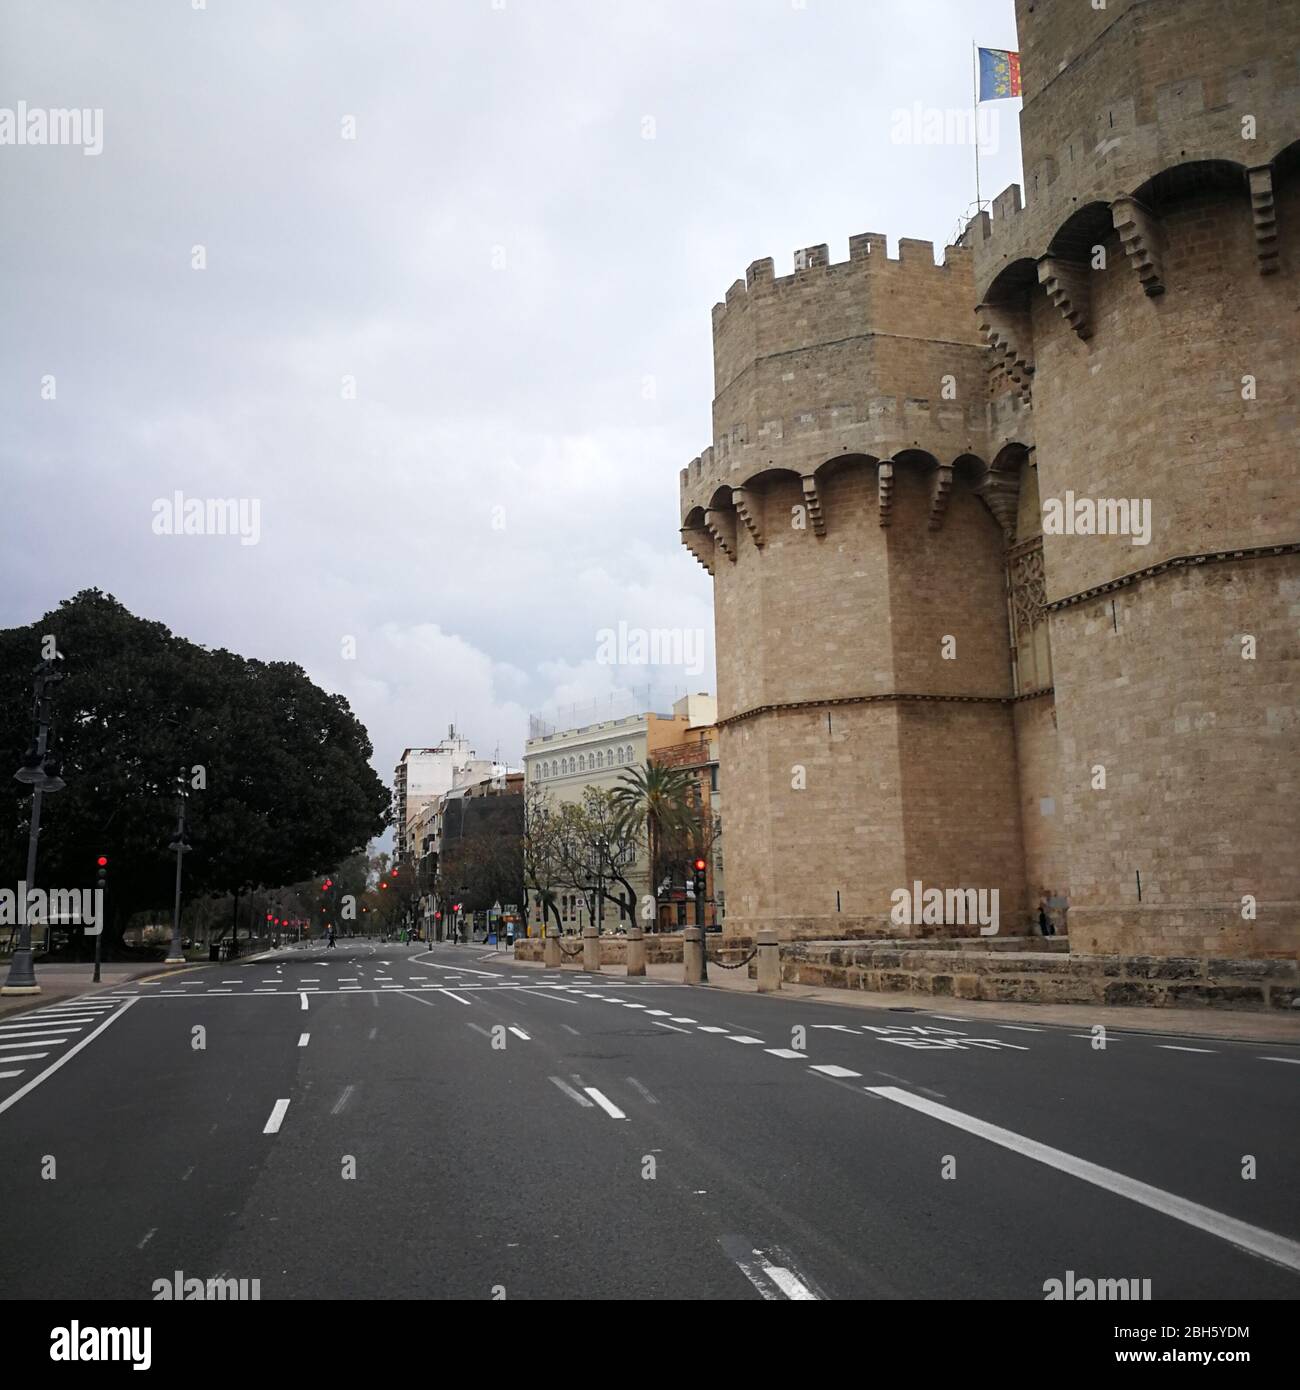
(563, 763)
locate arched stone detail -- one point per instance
(748, 506)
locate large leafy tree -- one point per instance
(280, 782)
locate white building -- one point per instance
(422, 775)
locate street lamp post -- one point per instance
(177, 956)
(41, 773)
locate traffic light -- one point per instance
(700, 867)
(383, 885)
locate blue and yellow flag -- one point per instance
(999, 74)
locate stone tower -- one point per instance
(914, 681)
(1146, 304)
(856, 541)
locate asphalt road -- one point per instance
(385, 1121)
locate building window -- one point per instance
(713, 777)
(620, 757)
(629, 752)
(600, 760)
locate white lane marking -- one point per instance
(570, 1092)
(303, 1039)
(1018, 1027)
(1089, 1037)
(827, 1069)
(148, 1236)
(681, 1020)
(266, 991)
(311, 979)
(419, 977)
(659, 1023)
(232, 982)
(567, 1029)
(373, 1032)
(519, 1033)
(37, 1039)
(785, 1052)
(659, 1013)
(303, 997)
(478, 1028)
(272, 1125)
(645, 1091)
(221, 991)
(55, 1021)
(712, 1028)
(8, 1029)
(25, 1057)
(342, 1100)
(627, 1005)
(1295, 1061)
(456, 997)
(771, 1280)
(348, 979)
(605, 1103)
(1170, 1047)
(1254, 1239)
(737, 1037)
(6, 1074)
(951, 1018)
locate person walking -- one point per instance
(1045, 922)
(330, 943)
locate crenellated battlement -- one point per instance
(817, 283)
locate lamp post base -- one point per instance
(22, 977)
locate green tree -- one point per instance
(278, 772)
(658, 799)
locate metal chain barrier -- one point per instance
(722, 964)
(577, 950)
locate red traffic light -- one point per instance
(102, 861)
(383, 885)
(268, 916)
(700, 866)
(437, 916)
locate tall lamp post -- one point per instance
(39, 771)
(179, 844)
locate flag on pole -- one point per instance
(999, 74)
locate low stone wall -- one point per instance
(1044, 977)
(661, 948)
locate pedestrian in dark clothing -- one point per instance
(1045, 922)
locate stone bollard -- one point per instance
(635, 951)
(551, 954)
(769, 961)
(692, 955)
(591, 948)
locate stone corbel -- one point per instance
(701, 544)
(1139, 230)
(940, 492)
(1070, 290)
(813, 501)
(1007, 332)
(1000, 492)
(1264, 210)
(748, 508)
(722, 527)
(885, 491)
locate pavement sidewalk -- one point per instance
(1225, 1024)
(71, 980)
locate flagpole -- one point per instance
(975, 118)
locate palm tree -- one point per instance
(659, 798)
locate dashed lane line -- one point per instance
(303, 1039)
(605, 1103)
(672, 1028)
(785, 1052)
(1170, 1047)
(829, 1069)
(273, 1124)
(36, 1039)
(570, 1092)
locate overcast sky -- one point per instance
(517, 279)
